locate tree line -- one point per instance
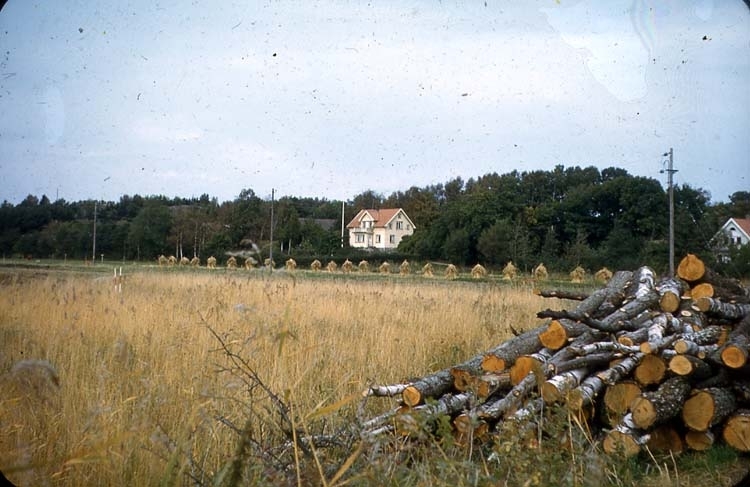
(564, 217)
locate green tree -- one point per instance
(148, 232)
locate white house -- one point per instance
(735, 232)
(379, 229)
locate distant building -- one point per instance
(379, 229)
(734, 233)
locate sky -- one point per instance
(331, 98)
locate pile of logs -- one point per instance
(644, 361)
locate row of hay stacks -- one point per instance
(642, 362)
(509, 272)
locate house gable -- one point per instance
(383, 228)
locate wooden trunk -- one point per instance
(687, 365)
(618, 398)
(650, 370)
(735, 351)
(654, 408)
(700, 440)
(706, 408)
(671, 292)
(736, 430)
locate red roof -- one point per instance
(744, 224)
(381, 217)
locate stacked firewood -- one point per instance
(644, 361)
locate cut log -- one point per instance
(505, 355)
(702, 290)
(585, 394)
(654, 408)
(625, 438)
(527, 364)
(688, 365)
(719, 309)
(434, 385)
(671, 291)
(734, 353)
(560, 294)
(493, 410)
(706, 408)
(736, 430)
(700, 440)
(559, 332)
(664, 439)
(691, 268)
(385, 391)
(658, 337)
(556, 388)
(650, 370)
(488, 384)
(415, 420)
(618, 397)
(463, 379)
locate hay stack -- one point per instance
(451, 272)
(509, 271)
(577, 274)
(427, 270)
(478, 272)
(385, 268)
(250, 263)
(162, 260)
(332, 266)
(290, 264)
(232, 262)
(269, 263)
(347, 266)
(195, 262)
(540, 272)
(364, 266)
(211, 262)
(316, 265)
(172, 261)
(603, 275)
(405, 268)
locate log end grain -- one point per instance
(651, 370)
(669, 302)
(554, 337)
(618, 398)
(619, 442)
(681, 365)
(734, 356)
(699, 440)
(412, 396)
(737, 431)
(493, 363)
(702, 290)
(644, 412)
(698, 411)
(665, 439)
(691, 268)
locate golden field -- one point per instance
(143, 381)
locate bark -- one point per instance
(415, 420)
(557, 388)
(585, 394)
(385, 390)
(488, 384)
(736, 430)
(560, 294)
(529, 363)
(734, 353)
(671, 292)
(505, 355)
(706, 408)
(654, 408)
(434, 385)
(493, 410)
(625, 438)
(719, 309)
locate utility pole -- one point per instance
(93, 252)
(342, 224)
(670, 188)
(270, 249)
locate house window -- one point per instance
(399, 225)
(377, 238)
(390, 226)
(408, 227)
(360, 238)
(393, 239)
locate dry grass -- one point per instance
(146, 395)
(138, 371)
